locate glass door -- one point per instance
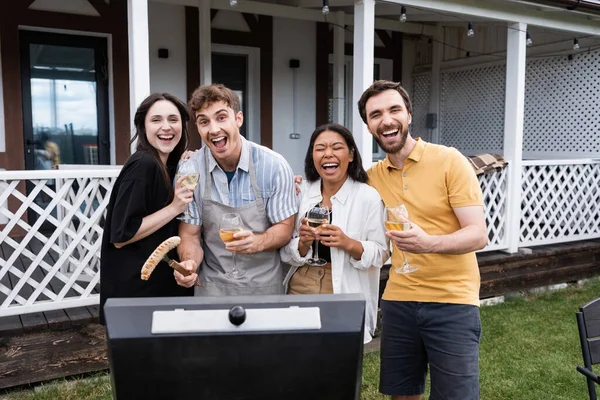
(65, 106)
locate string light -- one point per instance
(403, 14)
(471, 32)
(325, 9)
(528, 42)
(489, 54)
(233, 3)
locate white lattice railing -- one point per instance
(50, 232)
(560, 201)
(50, 238)
(493, 188)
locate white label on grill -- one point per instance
(258, 319)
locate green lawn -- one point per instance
(529, 350)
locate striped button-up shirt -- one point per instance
(274, 176)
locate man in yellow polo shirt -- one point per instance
(430, 316)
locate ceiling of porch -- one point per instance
(392, 10)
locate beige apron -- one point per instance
(263, 270)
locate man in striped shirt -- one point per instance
(236, 176)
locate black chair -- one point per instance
(588, 322)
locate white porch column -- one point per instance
(513, 128)
(364, 49)
(139, 55)
(338, 68)
(205, 46)
(409, 60)
(436, 80)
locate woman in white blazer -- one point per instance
(354, 243)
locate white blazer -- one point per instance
(357, 209)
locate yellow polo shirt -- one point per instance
(435, 179)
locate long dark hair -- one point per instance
(142, 140)
(355, 167)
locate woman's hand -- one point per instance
(307, 236)
(183, 196)
(333, 236)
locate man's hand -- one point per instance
(246, 242)
(187, 281)
(415, 240)
(187, 154)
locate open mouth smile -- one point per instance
(330, 167)
(166, 138)
(219, 142)
(390, 133)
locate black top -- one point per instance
(324, 250)
(139, 191)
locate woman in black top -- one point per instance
(143, 205)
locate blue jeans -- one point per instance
(445, 336)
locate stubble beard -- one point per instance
(395, 148)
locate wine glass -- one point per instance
(189, 170)
(396, 219)
(231, 223)
(317, 216)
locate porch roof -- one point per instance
(423, 15)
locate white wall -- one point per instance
(293, 39)
(167, 30)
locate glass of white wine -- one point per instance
(231, 223)
(189, 171)
(317, 216)
(396, 219)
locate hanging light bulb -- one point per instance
(403, 14)
(575, 44)
(325, 9)
(233, 3)
(528, 42)
(470, 31)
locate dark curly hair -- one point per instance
(355, 168)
